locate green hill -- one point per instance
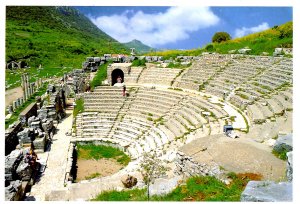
(54, 37)
(139, 46)
(265, 41)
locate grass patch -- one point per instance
(129, 195)
(100, 76)
(91, 151)
(198, 188)
(94, 175)
(79, 108)
(138, 63)
(280, 154)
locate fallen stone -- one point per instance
(40, 143)
(24, 171)
(163, 186)
(13, 192)
(129, 181)
(267, 191)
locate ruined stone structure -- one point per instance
(166, 109)
(34, 130)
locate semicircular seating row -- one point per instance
(146, 120)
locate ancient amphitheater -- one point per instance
(180, 115)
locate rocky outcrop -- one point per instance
(284, 143)
(185, 165)
(267, 191)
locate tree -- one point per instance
(221, 37)
(152, 168)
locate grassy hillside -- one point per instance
(54, 37)
(265, 41)
(139, 46)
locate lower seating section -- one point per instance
(152, 120)
(104, 99)
(94, 124)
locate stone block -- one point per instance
(129, 181)
(284, 143)
(12, 161)
(289, 169)
(163, 186)
(13, 192)
(267, 191)
(39, 143)
(24, 136)
(24, 171)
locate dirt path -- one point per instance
(103, 167)
(13, 94)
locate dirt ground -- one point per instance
(104, 167)
(238, 155)
(13, 94)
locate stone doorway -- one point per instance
(116, 73)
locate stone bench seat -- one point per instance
(129, 130)
(138, 122)
(215, 109)
(187, 85)
(176, 127)
(277, 108)
(123, 137)
(285, 103)
(138, 116)
(104, 100)
(97, 125)
(154, 101)
(112, 110)
(157, 99)
(93, 135)
(151, 107)
(156, 138)
(127, 133)
(152, 142)
(183, 121)
(134, 125)
(167, 132)
(265, 110)
(146, 144)
(255, 114)
(190, 115)
(139, 149)
(159, 93)
(152, 112)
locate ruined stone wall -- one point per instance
(11, 139)
(185, 165)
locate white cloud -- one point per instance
(239, 32)
(157, 29)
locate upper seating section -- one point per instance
(161, 76)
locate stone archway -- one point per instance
(115, 74)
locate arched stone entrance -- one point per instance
(116, 73)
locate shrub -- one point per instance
(221, 37)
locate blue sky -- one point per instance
(183, 27)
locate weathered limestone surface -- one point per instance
(284, 143)
(267, 191)
(289, 173)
